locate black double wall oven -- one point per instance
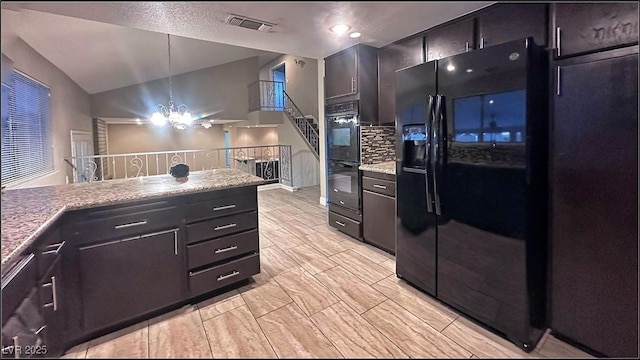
(343, 144)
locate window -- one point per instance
(26, 129)
(490, 118)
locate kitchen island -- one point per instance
(90, 257)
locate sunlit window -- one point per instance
(26, 129)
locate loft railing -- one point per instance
(270, 96)
(271, 162)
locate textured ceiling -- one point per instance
(106, 45)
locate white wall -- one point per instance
(220, 91)
(303, 163)
(70, 105)
(302, 81)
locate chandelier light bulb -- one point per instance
(178, 116)
(158, 119)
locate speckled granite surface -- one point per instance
(26, 213)
(387, 167)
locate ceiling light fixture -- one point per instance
(177, 116)
(339, 28)
(355, 34)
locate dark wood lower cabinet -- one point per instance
(378, 217)
(125, 278)
(379, 210)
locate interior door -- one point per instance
(81, 151)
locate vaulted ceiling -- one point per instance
(108, 45)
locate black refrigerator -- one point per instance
(471, 172)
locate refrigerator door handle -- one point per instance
(429, 124)
(439, 116)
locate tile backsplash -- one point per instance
(377, 144)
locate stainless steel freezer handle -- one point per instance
(440, 115)
(428, 125)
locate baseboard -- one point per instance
(268, 186)
(277, 186)
(288, 188)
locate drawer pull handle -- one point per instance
(234, 273)
(341, 202)
(226, 249)
(138, 223)
(336, 190)
(16, 346)
(379, 186)
(40, 330)
(56, 251)
(225, 226)
(224, 207)
(341, 223)
(55, 293)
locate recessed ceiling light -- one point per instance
(450, 67)
(469, 70)
(354, 35)
(339, 28)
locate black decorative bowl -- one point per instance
(179, 170)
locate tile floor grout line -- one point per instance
(383, 334)
(321, 332)
(206, 333)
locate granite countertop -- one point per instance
(27, 213)
(387, 167)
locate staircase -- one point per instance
(307, 127)
(270, 96)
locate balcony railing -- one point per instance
(270, 96)
(271, 162)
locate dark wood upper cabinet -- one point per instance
(352, 74)
(506, 22)
(451, 39)
(401, 54)
(341, 73)
(586, 27)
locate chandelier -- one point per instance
(177, 116)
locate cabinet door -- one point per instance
(54, 307)
(341, 73)
(393, 57)
(507, 22)
(594, 204)
(125, 278)
(584, 27)
(378, 219)
(451, 39)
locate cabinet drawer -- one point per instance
(346, 225)
(220, 207)
(49, 247)
(385, 187)
(218, 276)
(128, 221)
(219, 227)
(224, 248)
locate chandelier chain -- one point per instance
(170, 89)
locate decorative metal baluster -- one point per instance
(136, 165)
(101, 169)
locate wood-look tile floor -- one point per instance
(321, 294)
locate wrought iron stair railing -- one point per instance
(270, 96)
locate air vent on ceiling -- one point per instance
(248, 23)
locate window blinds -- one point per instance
(26, 129)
